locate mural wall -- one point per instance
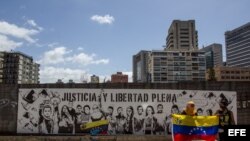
(127, 111)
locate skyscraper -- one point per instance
(18, 68)
(213, 54)
(181, 60)
(140, 67)
(182, 36)
(238, 46)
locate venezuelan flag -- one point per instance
(194, 128)
(96, 128)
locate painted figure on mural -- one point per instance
(96, 114)
(86, 114)
(129, 124)
(111, 120)
(199, 112)
(209, 112)
(72, 111)
(226, 116)
(66, 123)
(139, 121)
(168, 125)
(55, 101)
(46, 125)
(150, 121)
(160, 120)
(120, 121)
(78, 120)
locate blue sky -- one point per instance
(73, 39)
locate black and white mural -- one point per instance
(128, 111)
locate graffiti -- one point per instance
(127, 111)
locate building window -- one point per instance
(248, 103)
(244, 104)
(238, 104)
(222, 77)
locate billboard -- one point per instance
(127, 111)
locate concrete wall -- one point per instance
(8, 96)
(8, 108)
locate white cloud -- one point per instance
(17, 32)
(106, 19)
(34, 24)
(86, 59)
(52, 45)
(130, 76)
(6, 44)
(52, 74)
(61, 55)
(80, 48)
(54, 56)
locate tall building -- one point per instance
(119, 78)
(94, 79)
(213, 55)
(238, 46)
(182, 36)
(230, 74)
(18, 68)
(174, 66)
(140, 67)
(179, 61)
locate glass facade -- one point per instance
(238, 46)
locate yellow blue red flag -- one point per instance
(96, 128)
(190, 128)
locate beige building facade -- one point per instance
(230, 74)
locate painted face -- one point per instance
(199, 113)
(95, 108)
(149, 111)
(47, 112)
(140, 110)
(175, 111)
(79, 109)
(87, 110)
(110, 110)
(160, 108)
(119, 111)
(129, 111)
(64, 109)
